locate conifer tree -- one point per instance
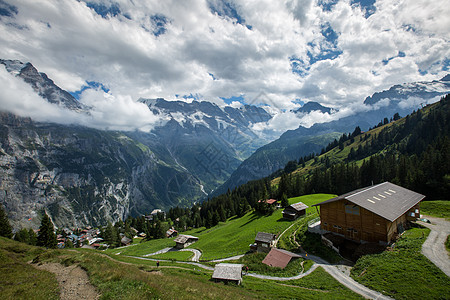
(284, 201)
(5, 227)
(46, 236)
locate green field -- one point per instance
(174, 255)
(403, 273)
(439, 208)
(235, 236)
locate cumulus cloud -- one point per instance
(108, 112)
(290, 50)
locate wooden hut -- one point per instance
(294, 211)
(228, 273)
(372, 214)
(184, 240)
(263, 242)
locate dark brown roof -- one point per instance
(386, 199)
(279, 258)
(184, 238)
(264, 237)
(228, 271)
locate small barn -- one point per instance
(263, 242)
(279, 258)
(184, 240)
(294, 211)
(126, 241)
(171, 233)
(372, 214)
(228, 273)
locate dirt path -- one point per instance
(73, 281)
(434, 246)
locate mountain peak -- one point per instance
(313, 106)
(446, 78)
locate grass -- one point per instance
(143, 248)
(403, 273)
(317, 285)
(439, 208)
(174, 255)
(20, 280)
(237, 234)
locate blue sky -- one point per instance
(335, 52)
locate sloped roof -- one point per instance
(125, 240)
(268, 201)
(279, 258)
(387, 200)
(228, 271)
(184, 238)
(264, 237)
(298, 206)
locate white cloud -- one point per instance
(72, 44)
(108, 112)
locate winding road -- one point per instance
(434, 247)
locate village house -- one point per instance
(126, 241)
(228, 273)
(183, 241)
(269, 201)
(263, 242)
(279, 258)
(171, 233)
(294, 211)
(372, 214)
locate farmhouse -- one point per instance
(372, 214)
(183, 240)
(263, 242)
(269, 201)
(279, 258)
(171, 233)
(294, 211)
(228, 273)
(126, 241)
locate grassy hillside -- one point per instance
(439, 208)
(403, 272)
(137, 279)
(229, 238)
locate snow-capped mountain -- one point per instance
(43, 85)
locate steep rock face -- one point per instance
(80, 176)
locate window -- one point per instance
(352, 209)
(325, 223)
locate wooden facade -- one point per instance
(359, 224)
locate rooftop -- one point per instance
(386, 199)
(264, 237)
(298, 206)
(183, 238)
(279, 258)
(228, 271)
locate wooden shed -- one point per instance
(372, 214)
(228, 273)
(184, 240)
(294, 211)
(263, 242)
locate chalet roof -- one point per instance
(264, 237)
(183, 238)
(268, 201)
(170, 231)
(125, 240)
(228, 271)
(279, 258)
(298, 206)
(386, 199)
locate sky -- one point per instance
(335, 52)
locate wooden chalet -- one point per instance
(269, 201)
(294, 211)
(184, 240)
(228, 273)
(372, 214)
(171, 233)
(263, 242)
(126, 241)
(279, 258)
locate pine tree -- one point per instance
(5, 227)
(284, 201)
(33, 237)
(46, 236)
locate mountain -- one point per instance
(85, 176)
(293, 144)
(314, 106)
(42, 85)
